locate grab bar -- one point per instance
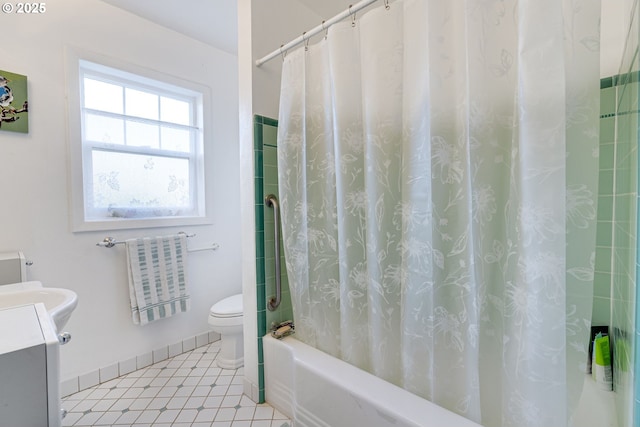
(272, 201)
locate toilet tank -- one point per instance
(13, 267)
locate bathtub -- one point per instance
(315, 389)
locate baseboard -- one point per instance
(251, 390)
(123, 367)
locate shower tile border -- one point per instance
(619, 79)
(258, 148)
(265, 120)
(265, 147)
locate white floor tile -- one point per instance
(213, 401)
(184, 391)
(235, 389)
(89, 419)
(71, 419)
(128, 417)
(158, 382)
(187, 390)
(126, 382)
(108, 418)
(177, 402)
(150, 392)
(98, 393)
(230, 401)
(103, 405)
(219, 390)
(195, 402)
(208, 415)
(158, 402)
(175, 381)
(225, 414)
(244, 414)
(187, 416)
(121, 404)
(167, 391)
(148, 416)
(84, 405)
(167, 416)
(277, 415)
(263, 413)
(167, 372)
(133, 392)
(115, 393)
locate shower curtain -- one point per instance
(438, 180)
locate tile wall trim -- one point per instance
(619, 79)
(258, 149)
(123, 367)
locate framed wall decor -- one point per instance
(14, 108)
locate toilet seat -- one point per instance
(228, 307)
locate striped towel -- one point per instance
(157, 277)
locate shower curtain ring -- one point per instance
(326, 30)
(353, 16)
(386, 5)
(306, 42)
(282, 53)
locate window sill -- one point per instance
(132, 223)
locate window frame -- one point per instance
(106, 69)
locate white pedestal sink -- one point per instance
(59, 302)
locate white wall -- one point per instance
(34, 188)
(614, 27)
(262, 27)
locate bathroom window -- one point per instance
(141, 150)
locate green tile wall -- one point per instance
(625, 246)
(617, 262)
(265, 132)
(602, 277)
(284, 312)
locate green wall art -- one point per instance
(14, 108)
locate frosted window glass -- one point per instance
(103, 129)
(122, 180)
(142, 135)
(176, 139)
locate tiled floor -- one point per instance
(188, 390)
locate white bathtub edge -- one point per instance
(394, 406)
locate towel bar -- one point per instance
(109, 242)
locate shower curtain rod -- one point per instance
(322, 27)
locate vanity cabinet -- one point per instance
(29, 368)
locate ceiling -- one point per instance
(214, 22)
(327, 8)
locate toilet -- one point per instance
(225, 318)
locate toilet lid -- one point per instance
(228, 307)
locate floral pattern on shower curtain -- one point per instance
(438, 180)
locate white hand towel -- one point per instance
(157, 277)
